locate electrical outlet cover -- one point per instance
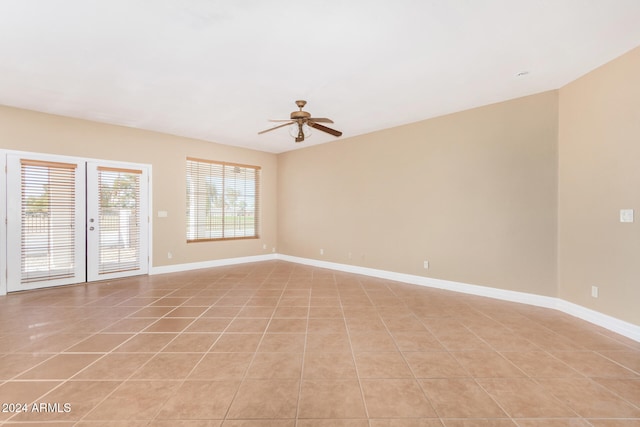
(626, 215)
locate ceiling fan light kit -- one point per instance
(301, 122)
(300, 132)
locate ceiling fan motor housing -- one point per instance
(300, 115)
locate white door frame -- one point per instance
(4, 209)
(3, 225)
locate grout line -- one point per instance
(304, 355)
(353, 354)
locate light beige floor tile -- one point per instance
(290, 326)
(259, 423)
(134, 400)
(71, 401)
(434, 364)
(396, 398)
(550, 422)
(592, 364)
(168, 366)
(523, 398)
(114, 366)
(61, 366)
(248, 324)
(166, 324)
(100, 343)
(372, 341)
(326, 326)
(628, 389)
(190, 312)
(333, 423)
(588, 399)
(237, 342)
(222, 366)
(259, 399)
(406, 422)
(325, 313)
(329, 365)
(460, 398)
(12, 365)
(146, 343)
(331, 399)
(195, 342)
(487, 364)
(199, 400)
(628, 359)
(22, 393)
(276, 366)
(291, 312)
(209, 324)
(389, 364)
(416, 341)
(293, 343)
(325, 343)
(540, 364)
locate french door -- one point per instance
(71, 220)
(117, 221)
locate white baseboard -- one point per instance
(621, 327)
(176, 268)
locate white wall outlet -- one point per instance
(169, 255)
(426, 265)
(594, 291)
(273, 250)
(163, 214)
(321, 251)
(264, 246)
(626, 215)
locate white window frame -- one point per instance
(199, 224)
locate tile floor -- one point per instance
(281, 344)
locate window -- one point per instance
(222, 200)
(48, 212)
(119, 219)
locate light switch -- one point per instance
(162, 214)
(626, 215)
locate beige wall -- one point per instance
(474, 193)
(599, 174)
(37, 132)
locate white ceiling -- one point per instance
(217, 70)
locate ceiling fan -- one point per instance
(302, 118)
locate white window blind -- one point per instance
(222, 200)
(48, 214)
(118, 219)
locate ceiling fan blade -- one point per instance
(274, 128)
(324, 128)
(320, 120)
(283, 120)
